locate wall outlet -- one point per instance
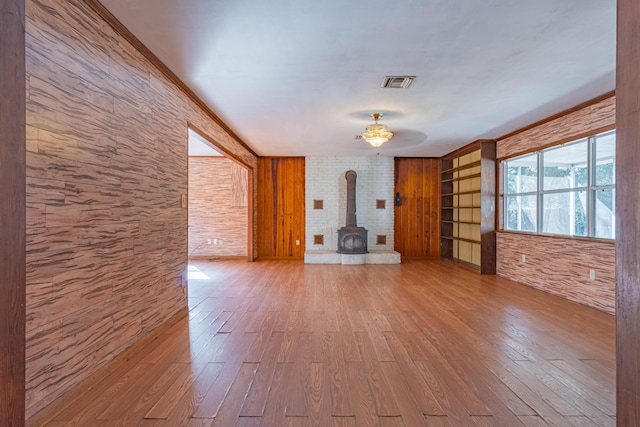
(297, 242)
(220, 241)
(592, 274)
(208, 241)
(524, 258)
(215, 241)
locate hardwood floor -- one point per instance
(280, 343)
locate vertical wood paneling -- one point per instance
(12, 213)
(213, 213)
(488, 208)
(627, 214)
(281, 207)
(417, 219)
(106, 169)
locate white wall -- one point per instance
(325, 181)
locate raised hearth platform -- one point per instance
(332, 257)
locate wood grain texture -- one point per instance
(417, 219)
(266, 343)
(215, 209)
(561, 266)
(627, 214)
(281, 207)
(565, 128)
(12, 213)
(106, 168)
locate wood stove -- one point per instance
(351, 238)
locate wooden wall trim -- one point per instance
(627, 213)
(472, 146)
(140, 47)
(560, 114)
(219, 146)
(559, 236)
(572, 138)
(12, 212)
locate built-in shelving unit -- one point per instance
(469, 206)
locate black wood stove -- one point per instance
(351, 238)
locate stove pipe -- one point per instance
(351, 238)
(351, 199)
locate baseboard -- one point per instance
(217, 257)
(48, 412)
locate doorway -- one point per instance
(220, 214)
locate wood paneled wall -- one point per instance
(417, 219)
(106, 169)
(560, 265)
(217, 207)
(627, 214)
(579, 122)
(281, 207)
(12, 213)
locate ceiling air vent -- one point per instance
(397, 82)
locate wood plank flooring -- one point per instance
(424, 343)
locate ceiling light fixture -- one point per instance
(376, 134)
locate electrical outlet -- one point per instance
(208, 241)
(524, 258)
(297, 242)
(215, 241)
(592, 274)
(220, 241)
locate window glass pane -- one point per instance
(565, 213)
(566, 166)
(605, 151)
(605, 210)
(521, 213)
(522, 174)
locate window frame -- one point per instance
(590, 189)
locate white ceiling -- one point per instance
(200, 147)
(300, 77)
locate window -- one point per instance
(566, 190)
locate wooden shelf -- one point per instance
(466, 240)
(463, 193)
(482, 154)
(463, 167)
(463, 178)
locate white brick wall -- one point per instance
(325, 181)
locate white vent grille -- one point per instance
(397, 82)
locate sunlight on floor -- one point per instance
(196, 274)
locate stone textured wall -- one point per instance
(556, 264)
(218, 219)
(106, 169)
(325, 181)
